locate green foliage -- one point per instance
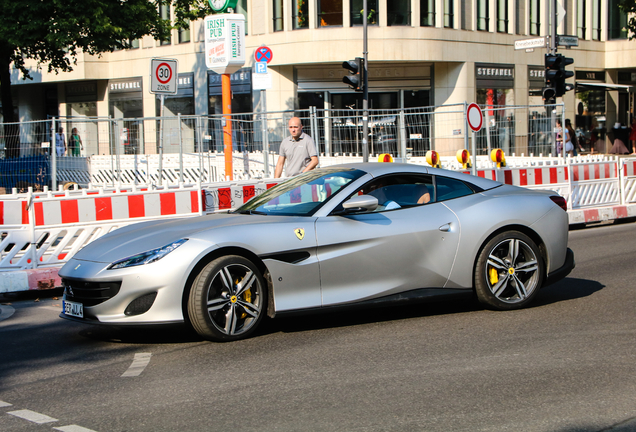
(629, 8)
(53, 32)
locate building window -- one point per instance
(482, 15)
(356, 12)
(596, 20)
(427, 13)
(502, 16)
(449, 13)
(617, 24)
(184, 34)
(241, 8)
(329, 13)
(278, 16)
(398, 12)
(164, 12)
(581, 19)
(300, 14)
(535, 17)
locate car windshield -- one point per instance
(302, 195)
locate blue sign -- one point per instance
(261, 67)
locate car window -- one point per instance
(399, 191)
(302, 195)
(448, 188)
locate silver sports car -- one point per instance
(345, 235)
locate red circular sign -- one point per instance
(164, 73)
(475, 117)
(263, 54)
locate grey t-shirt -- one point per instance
(297, 154)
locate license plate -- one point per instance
(73, 309)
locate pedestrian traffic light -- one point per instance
(555, 75)
(355, 79)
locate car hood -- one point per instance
(144, 236)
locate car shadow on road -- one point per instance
(567, 289)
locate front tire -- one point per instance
(227, 300)
(509, 271)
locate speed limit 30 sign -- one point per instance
(163, 76)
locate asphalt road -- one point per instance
(566, 364)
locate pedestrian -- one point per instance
(571, 137)
(75, 143)
(60, 142)
(298, 150)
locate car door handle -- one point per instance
(445, 227)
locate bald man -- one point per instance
(299, 150)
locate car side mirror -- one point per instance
(360, 203)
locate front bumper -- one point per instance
(562, 272)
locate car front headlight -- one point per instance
(146, 257)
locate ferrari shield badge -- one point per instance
(300, 233)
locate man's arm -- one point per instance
(313, 163)
(279, 167)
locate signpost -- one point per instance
(163, 80)
(225, 54)
(475, 119)
(262, 80)
(530, 43)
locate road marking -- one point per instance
(4, 404)
(73, 428)
(32, 416)
(6, 312)
(138, 365)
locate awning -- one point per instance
(604, 86)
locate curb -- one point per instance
(47, 278)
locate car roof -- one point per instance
(377, 169)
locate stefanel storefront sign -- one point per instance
(225, 43)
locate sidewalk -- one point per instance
(47, 278)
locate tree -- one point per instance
(53, 32)
(628, 7)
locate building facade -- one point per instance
(421, 53)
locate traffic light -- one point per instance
(355, 79)
(555, 76)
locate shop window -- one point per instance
(278, 15)
(581, 19)
(329, 13)
(356, 11)
(398, 12)
(502, 16)
(300, 14)
(449, 13)
(535, 17)
(617, 24)
(482, 15)
(184, 34)
(596, 20)
(427, 13)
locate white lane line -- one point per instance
(73, 428)
(138, 365)
(6, 312)
(4, 404)
(32, 416)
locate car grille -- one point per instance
(89, 293)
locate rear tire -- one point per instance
(509, 271)
(228, 299)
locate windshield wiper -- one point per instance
(252, 212)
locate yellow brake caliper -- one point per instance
(247, 296)
(493, 275)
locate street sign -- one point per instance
(530, 43)
(225, 42)
(263, 54)
(475, 117)
(163, 76)
(567, 41)
(260, 67)
(262, 81)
